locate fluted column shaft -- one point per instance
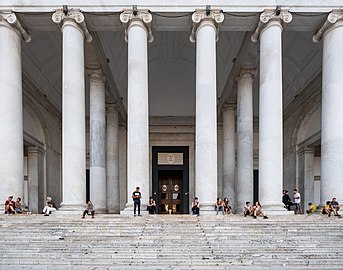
(137, 36)
(245, 155)
(332, 109)
(204, 32)
(73, 110)
(112, 145)
(270, 114)
(11, 110)
(229, 159)
(97, 142)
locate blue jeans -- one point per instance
(135, 204)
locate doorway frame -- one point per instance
(185, 168)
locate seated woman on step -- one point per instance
(196, 206)
(9, 205)
(258, 211)
(219, 206)
(49, 207)
(90, 210)
(151, 208)
(227, 206)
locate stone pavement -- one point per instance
(170, 242)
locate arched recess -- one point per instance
(35, 141)
(308, 135)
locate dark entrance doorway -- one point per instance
(170, 183)
(170, 192)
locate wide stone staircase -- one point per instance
(170, 242)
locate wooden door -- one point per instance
(170, 193)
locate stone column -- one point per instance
(332, 109)
(11, 108)
(73, 109)
(245, 151)
(97, 140)
(112, 146)
(305, 175)
(269, 31)
(229, 157)
(205, 34)
(137, 33)
(36, 181)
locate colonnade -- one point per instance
(104, 132)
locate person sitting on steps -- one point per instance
(9, 206)
(219, 206)
(151, 208)
(258, 211)
(49, 207)
(227, 206)
(247, 209)
(335, 206)
(196, 206)
(287, 200)
(90, 210)
(312, 208)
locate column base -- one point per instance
(274, 210)
(72, 208)
(115, 210)
(207, 209)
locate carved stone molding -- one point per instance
(95, 75)
(199, 17)
(229, 107)
(73, 15)
(12, 20)
(334, 19)
(246, 72)
(268, 17)
(142, 18)
(111, 105)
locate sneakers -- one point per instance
(255, 217)
(46, 215)
(139, 215)
(134, 215)
(83, 217)
(265, 217)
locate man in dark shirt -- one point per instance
(335, 206)
(287, 200)
(136, 196)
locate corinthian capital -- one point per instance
(10, 19)
(199, 17)
(334, 19)
(268, 17)
(142, 17)
(73, 15)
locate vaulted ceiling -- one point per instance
(172, 58)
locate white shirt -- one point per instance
(296, 197)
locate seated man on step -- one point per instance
(219, 206)
(151, 208)
(90, 210)
(196, 206)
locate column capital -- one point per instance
(141, 17)
(334, 19)
(269, 17)
(246, 73)
(229, 106)
(96, 75)
(111, 105)
(305, 150)
(72, 17)
(200, 18)
(10, 19)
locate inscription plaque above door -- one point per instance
(170, 158)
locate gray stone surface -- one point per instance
(170, 242)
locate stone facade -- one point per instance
(252, 92)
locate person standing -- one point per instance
(136, 196)
(297, 202)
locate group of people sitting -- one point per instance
(254, 210)
(223, 206)
(331, 207)
(15, 207)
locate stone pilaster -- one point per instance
(11, 107)
(74, 32)
(269, 33)
(245, 151)
(112, 146)
(332, 110)
(205, 33)
(97, 140)
(229, 157)
(137, 33)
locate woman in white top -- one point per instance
(258, 211)
(49, 207)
